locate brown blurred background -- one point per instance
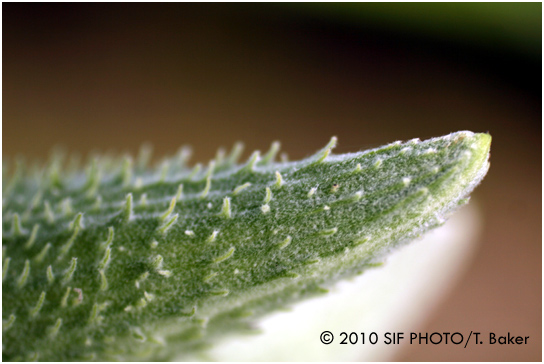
(110, 76)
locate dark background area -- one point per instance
(111, 76)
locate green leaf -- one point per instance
(147, 264)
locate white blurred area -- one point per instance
(396, 297)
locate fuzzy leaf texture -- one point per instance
(122, 261)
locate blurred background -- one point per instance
(111, 76)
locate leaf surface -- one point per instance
(138, 263)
